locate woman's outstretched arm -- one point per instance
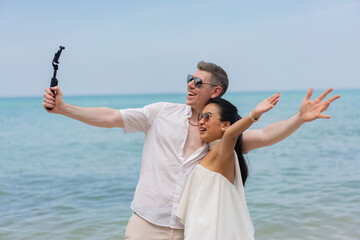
(228, 141)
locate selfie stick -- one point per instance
(55, 62)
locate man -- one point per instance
(173, 147)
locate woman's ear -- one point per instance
(225, 126)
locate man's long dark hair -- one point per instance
(228, 112)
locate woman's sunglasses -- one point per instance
(206, 116)
(198, 82)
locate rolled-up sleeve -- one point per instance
(140, 119)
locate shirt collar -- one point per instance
(213, 143)
(188, 111)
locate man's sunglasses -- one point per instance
(206, 116)
(198, 82)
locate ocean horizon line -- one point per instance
(172, 93)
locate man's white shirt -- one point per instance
(164, 171)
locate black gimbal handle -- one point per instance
(54, 82)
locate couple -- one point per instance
(173, 147)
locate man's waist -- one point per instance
(159, 216)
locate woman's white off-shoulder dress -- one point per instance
(212, 208)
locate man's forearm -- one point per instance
(94, 116)
(310, 110)
(271, 134)
(278, 131)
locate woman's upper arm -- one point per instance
(226, 147)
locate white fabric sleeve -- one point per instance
(140, 119)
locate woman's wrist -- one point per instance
(254, 116)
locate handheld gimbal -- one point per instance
(55, 62)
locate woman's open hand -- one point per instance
(266, 105)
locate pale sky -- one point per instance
(125, 47)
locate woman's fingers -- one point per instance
(276, 101)
(274, 98)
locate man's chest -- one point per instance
(192, 142)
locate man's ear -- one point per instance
(216, 91)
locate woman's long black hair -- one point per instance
(228, 112)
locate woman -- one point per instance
(212, 207)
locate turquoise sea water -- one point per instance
(62, 179)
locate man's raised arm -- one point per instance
(97, 116)
(276, 132)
